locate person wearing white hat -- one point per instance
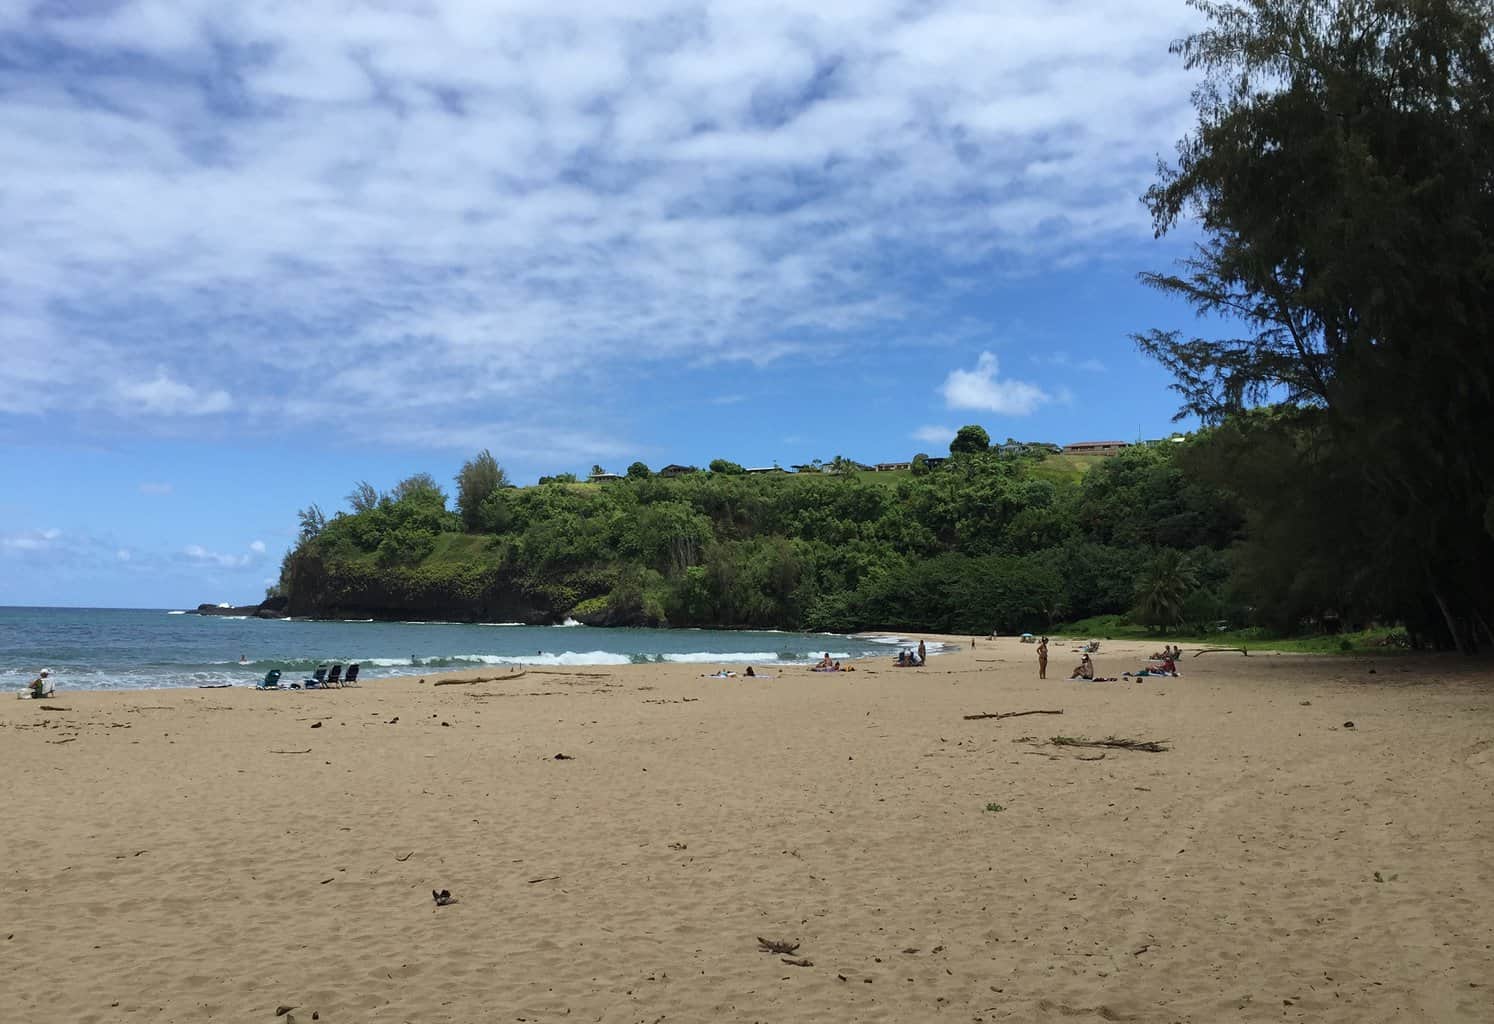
(41, 686)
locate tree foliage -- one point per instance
(974, 544)
(478, 480)
(969, 440)
(1341, 174)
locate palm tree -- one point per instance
(1164, 589)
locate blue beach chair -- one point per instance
(271, 680)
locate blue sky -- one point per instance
(251, 254)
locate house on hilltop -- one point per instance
(892, 467)
(1095, 448)
(601, 478)
(675, 469)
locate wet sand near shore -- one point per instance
(216, 855)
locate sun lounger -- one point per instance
(334, 678)
(317, 678)
(271, 680)
(350, 677)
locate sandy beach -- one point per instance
(214, 855)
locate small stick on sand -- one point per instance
(1009, 714)
(306, 751)
(1217, 650)
(405, 857)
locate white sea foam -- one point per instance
(499, 623)
(708, 657)
(176, 613)
(570, 622)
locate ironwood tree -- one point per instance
(1342, 174)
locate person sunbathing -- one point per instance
(1085, 669)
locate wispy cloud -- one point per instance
(199, 555)
(156, 488)
(934, 435)
(30, 540)
(1063, 359)
(268, 217)
(983, 389)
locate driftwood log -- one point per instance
(480, 679)
(1150, 746)
(1009, 714)
(1218, 650)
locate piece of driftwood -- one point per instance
(405, 857)
(1150, 746)
(480, 679)
(799, 962)
(780, 946)
(54, 707)
(1009, 714)
(306, 751)
(68, 740)
(546, 878)
(1217, 650)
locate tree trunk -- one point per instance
(1460, 637)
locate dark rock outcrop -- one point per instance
(270, 608)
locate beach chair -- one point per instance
(271, 680)
(317, 678)
(334, 677)
(350, 677)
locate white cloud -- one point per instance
(156, 488)
(257, 546)
(200, 555)
(162, 395)
(122, 555)
(982, 389)
(30, 540)
(296, 212)
(934, 435)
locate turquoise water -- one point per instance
(115, 649)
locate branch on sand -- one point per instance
(1150, 746)
(1009, 714)
(479, 679)
(781, 946)
(306, 751)
(1217, 650)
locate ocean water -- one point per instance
(127, 649)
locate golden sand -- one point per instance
(213, 855)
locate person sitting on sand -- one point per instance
(749, 673)
(1085, 669)
(824, 662)
(41, 686)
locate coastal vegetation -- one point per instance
(984, 541)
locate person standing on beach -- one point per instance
(923, 653)
(1042, 651)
